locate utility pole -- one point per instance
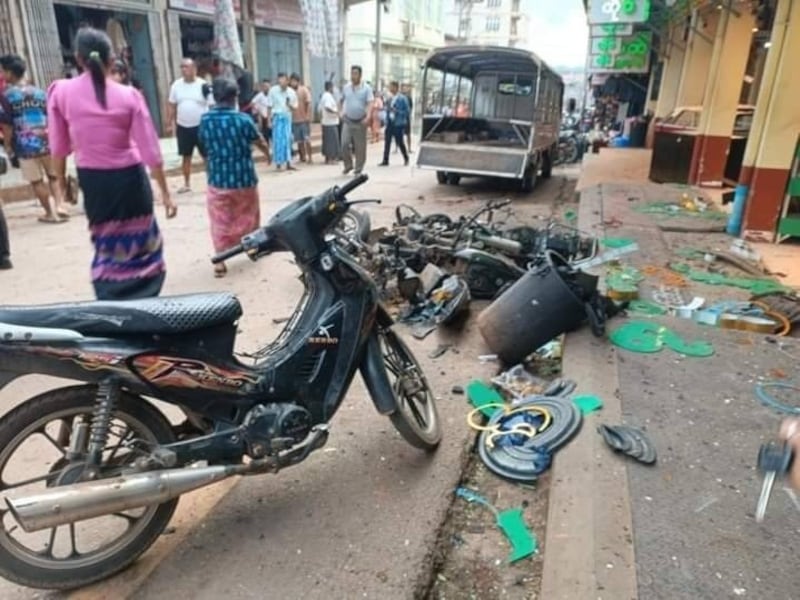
(378, 10)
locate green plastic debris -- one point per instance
(570, 216)
(623, 281)
(673, 209)
(689, 253)
(755, 285)
(588, 403)
(645, 307)
(648, 337)
(617, 242)
(483, 396)
(523, 542)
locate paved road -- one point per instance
(359, 518)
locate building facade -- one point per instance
(489, 22)
(409, 30)
(154, 35)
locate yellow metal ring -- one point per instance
(548, 418)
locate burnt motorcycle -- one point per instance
(118, 465)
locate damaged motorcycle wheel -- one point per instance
(40, 432)
(416, 417)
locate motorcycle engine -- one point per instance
(275, 427)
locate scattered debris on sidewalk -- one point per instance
(628, 440)
(647, 336)
(510, 522)
(768, 398)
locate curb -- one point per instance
(589, 540)
(24, 192)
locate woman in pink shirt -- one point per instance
(108, 127)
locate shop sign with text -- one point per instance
(628, 54)
(618, 11)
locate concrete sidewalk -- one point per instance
(13, 188)
(683, 528)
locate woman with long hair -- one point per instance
(109, 128)
(232, 197)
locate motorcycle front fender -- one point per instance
(7, 377)
(373, 370)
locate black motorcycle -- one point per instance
(118, 465)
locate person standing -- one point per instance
(24, 122)
(282, 100)
(261, 110)
(405, 89)
(108, 127)
(397, 117)
(188, 102)
(5, 249)
(232, 196)
(301, 118)
(356, 108)
(329, 116)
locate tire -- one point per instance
(528, 181)
(572, 152)
(453, 178)
(355, 222)
(19, 564)
(407, 418)
(441, 177)
(547, 164)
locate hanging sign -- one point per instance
(629, 54)
(618, 11)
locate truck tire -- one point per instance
(441, 177)
(453, 178)
(528, 181)
(547, 164)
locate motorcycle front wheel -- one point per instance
(35, 443)
(416, 417)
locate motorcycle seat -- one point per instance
(165, 316)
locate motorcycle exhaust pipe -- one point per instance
(511, 247)
(90, 499)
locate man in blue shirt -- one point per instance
(398, 114)
(23, 117)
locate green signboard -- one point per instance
(618, 11)
(628, 54)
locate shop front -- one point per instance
(133, 26)
(194, 19)
(279, 39)
(131, 40)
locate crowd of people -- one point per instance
(101, 118)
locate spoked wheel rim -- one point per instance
(62, 544)
(410, 386)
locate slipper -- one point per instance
(51, 220)
(63, 216)
(220, 271)
(184, 190)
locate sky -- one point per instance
(558, 32)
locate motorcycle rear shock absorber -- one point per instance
(106, 401)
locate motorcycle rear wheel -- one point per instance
(60, 564)
(416, 417)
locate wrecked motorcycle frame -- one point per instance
(120, 458)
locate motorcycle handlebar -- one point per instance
(348, 187)
(226, 254)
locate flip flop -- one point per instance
(184, 190)
(64, 216)
(51, 220)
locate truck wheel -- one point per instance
(547, 164)
(528, 181)
(441, 177)
(453, 178)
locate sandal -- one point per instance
(220, 271)
(184, 190)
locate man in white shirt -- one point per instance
(189, 98)
(261, 105)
